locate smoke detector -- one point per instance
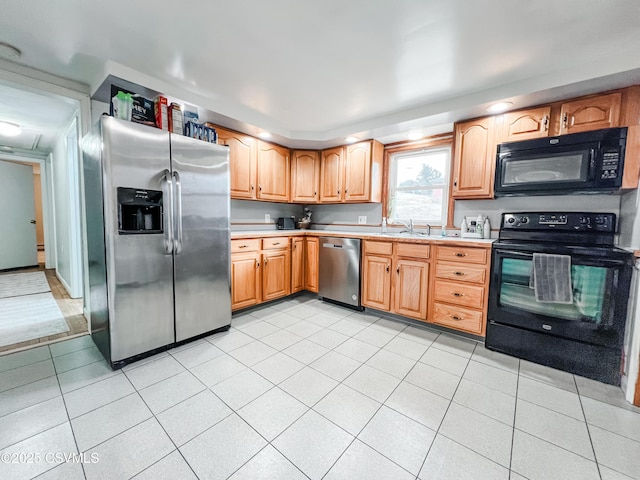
(9, 51)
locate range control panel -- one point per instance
(560, 221)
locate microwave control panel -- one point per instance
(610, 164)
(569, 221)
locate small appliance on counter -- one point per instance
(286, 223)
(305, 222)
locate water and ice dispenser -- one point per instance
(139, 211)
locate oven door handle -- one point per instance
(512, 253)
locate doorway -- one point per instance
(41, 280)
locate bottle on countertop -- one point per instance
(464, 228)
(486, 228)
(479, 224)
(384, 224)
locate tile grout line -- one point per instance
(593, 448)
(513, 429)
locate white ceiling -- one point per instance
(318, 71)
(42, 116)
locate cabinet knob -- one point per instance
(545, 123)
(387, 268)
(460, 254)
(456, 318)
(455, 294)
(398, 270)
(565, 120)
(458, 273)
(345, 191)
(243, 246)
(338, 192)
(265, 262)
(252, 186)
(455, 182)
(257, 264)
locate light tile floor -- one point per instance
(302, 389)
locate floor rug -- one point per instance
(25, 283)
(30, 316)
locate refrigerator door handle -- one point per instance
(178, 213)
(167, 180)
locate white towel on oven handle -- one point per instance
(552, 278)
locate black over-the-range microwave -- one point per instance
(588, 162)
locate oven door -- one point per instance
(600, 284)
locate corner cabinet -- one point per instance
(273, 172)
(243, 157)
(474, 159)
(352, 174)
(591, 113)
(305, 176)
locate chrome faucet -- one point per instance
(428, 229)
(409, 227)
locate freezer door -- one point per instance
(139, 265)
(201, 253)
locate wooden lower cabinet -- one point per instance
(276, 274)
(245, 280)
(376, 285)
(311, 263)
(297, 264)
(460, 288)
(412, 281)
(393, 283)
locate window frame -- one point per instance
(440, 142)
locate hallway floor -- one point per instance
(301, 389)
(71, 309)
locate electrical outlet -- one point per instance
(267, 218)
(362, 219)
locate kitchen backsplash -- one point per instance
(250, 215)
(347, 214)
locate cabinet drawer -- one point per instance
(275, 243)
(463, 254)
(461, 273)
(459, 294)
(243, 245)
(378, 248)
(458, 317)
(414, 250)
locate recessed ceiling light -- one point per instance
(9, 129)
(351, 139)
(6, 148)
(499, 107)
(264, 135)
(415, 135)
(9, 51)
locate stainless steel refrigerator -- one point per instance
(157, 219)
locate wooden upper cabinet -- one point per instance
(590, 113)
(243, 160)
(474, 161)
(331, 173)
(297, 264)
(525, 124)
(357, 183)
(273, 172)
(305, 176)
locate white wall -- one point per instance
(66, 205)
(249, 215)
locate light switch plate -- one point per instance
(267, 218)
(362, 219)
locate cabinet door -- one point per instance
(311, 264)
(590, 114)
(273, 172)
(242, 162)
(474, 163)
(305, 176)
(357, 171)
(411, 287)
(297, 264)
(376, 283)
(245, 280)
(331, 172)
(525, 124)
(276, 271)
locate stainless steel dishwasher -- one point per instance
(340, 270)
